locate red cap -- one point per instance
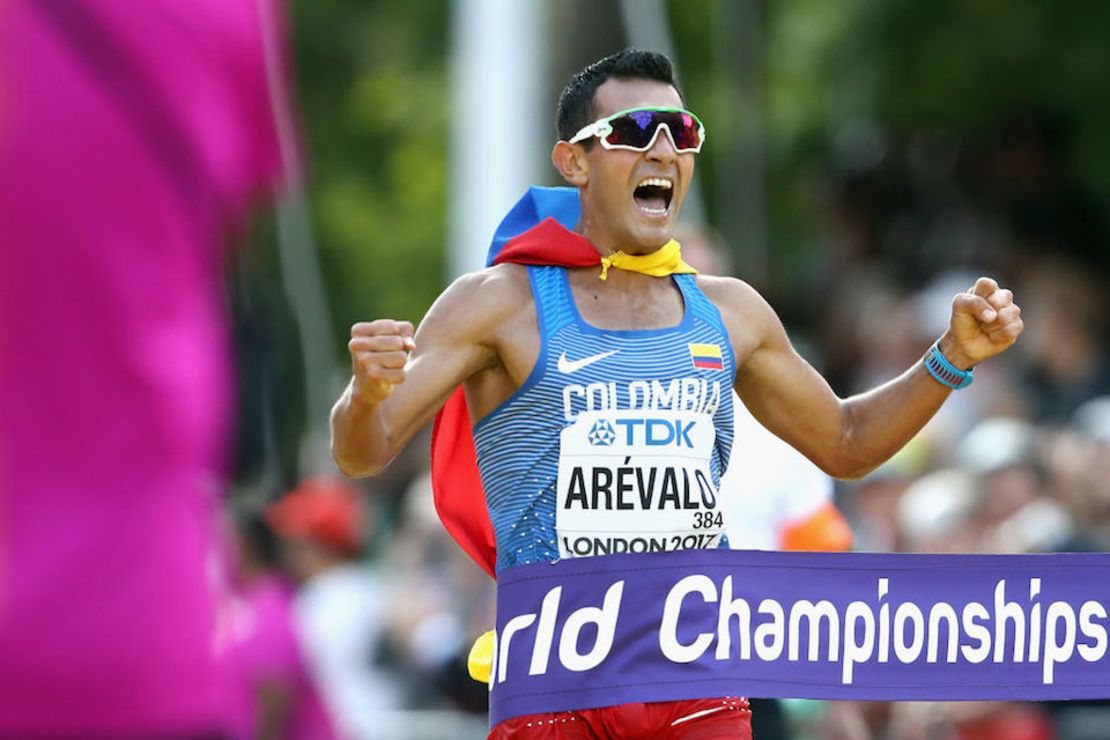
(326, 510)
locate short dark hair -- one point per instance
(576, 103)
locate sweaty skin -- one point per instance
(482, 331)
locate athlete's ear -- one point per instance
(570, 160)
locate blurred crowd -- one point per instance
(1016, 462)
(1020, 461)
(344, 628)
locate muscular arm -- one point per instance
(847, 438)
(399, 380)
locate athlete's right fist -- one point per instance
(379, 350)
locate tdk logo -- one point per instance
(602, 434)
(657, 432)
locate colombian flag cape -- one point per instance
(537, 231)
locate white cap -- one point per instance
(935, 503)
(1093, 418)
(996, 443)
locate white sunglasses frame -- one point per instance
(602, 127)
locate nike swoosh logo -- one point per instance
(571, 366)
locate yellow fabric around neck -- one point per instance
(667, 260)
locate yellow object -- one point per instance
(705, 351)
(480, 660)
(667, 260)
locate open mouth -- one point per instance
(653, 195)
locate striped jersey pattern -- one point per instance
(581, 367)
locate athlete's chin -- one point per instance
(648, 238)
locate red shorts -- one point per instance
(729, 718)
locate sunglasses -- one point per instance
(637, 128)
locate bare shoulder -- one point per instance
(749, 319)
(492, 285)
(478, 300)
(734, 298)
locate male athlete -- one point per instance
(554, 358)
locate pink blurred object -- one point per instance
(133, 137)
(267, 652)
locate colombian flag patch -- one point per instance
(706, 356)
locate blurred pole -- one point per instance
(501, 125)
(738, 114)
(646, 26)
(300, 266)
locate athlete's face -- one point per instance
(618, 212)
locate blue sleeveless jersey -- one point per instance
(617, 440)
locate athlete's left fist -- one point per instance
(985, 322)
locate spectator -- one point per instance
(340, 604)
(1068, 364)
(279, 697)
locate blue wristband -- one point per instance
(944, 371)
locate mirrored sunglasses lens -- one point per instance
(685, 131)
(637, 128)
(634, 129)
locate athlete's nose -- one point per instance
(662, 148)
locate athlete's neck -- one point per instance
(607, 247)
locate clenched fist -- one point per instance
(985, 321)
(379, 350)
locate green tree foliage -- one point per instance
(961, 64)
(962, 74)
(372, 82)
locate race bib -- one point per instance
(637, 481)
